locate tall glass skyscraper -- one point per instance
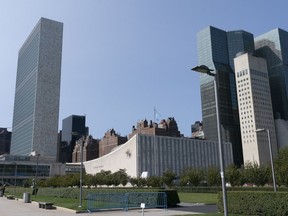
(273, 46)
(216, 50)
(37, 94)
(73, 128)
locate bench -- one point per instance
(11, 197)
(46, 205)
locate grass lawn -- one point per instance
(212, 214)
(62, 202)
(207, 198)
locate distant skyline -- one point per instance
(121, 59)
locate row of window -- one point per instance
(242, 73)
(259, 73)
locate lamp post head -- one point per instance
(260, 130)
(203, 69)
(34, 153)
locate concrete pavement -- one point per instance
(19, 208)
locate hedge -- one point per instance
(219, 189)
(255, 203)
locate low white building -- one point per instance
(155, 154)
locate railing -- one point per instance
(126, 201)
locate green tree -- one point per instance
(213, 176)
(119, 177)
(138, 181)
(168, 177)
(255, 174)
(233, 175)
(88, 180)
(281, 167)
(104, 177)
(192, 176)
(184, 180)
(154, 181)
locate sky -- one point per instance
(122, 58)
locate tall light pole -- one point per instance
(15, 175)
(271, 155)
(81, 168)
(35, 154)
(205, 70)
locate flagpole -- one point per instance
(154, 137)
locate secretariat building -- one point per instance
(37, 93)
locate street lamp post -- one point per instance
(35, 154)
(271, 155)
(81, 171)
(205, 70)
(15, 175)
(81, 168)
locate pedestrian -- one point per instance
(3, 189)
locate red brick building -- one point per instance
(110, 140)
(166, 127)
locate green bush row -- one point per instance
(255, 203)
(219, 189)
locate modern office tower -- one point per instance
(5, 141)
(255, 108)
(37, 94)
(73, 128)
(273, 46)
(216, 50)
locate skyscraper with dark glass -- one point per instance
(37, 94)
(273, 46)
(73, 128)
(216, 50)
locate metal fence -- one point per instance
(96, 202)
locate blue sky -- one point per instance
(122, 58)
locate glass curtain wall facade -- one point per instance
(12, 173)
(37, 94)
(216, 50)
(73, 128)
(273, 46)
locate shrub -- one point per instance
(213, 177)
(255, 203)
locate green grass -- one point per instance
(207, 198)
(213, 214)
(62, 202)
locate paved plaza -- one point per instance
(19, 208)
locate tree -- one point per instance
(192, 176)
(281, 167)
(255, 174)
(104, 177)
(233, 175)
(120, 177)
(168, 177)
(213, 177)
(154, 181)
(138, 181)
(88, 180)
